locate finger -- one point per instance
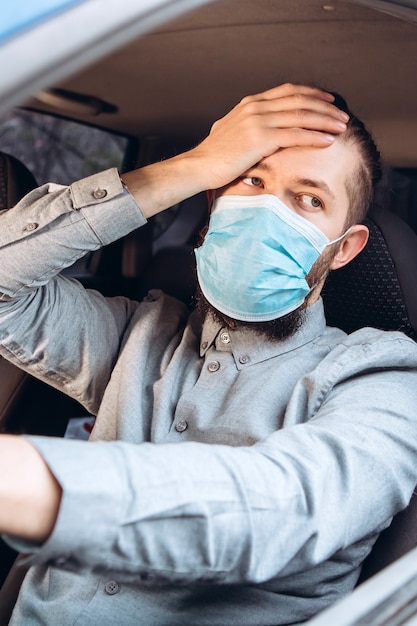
(290, 89)
(301, 137)
(293, 97)
(304, 119)
(304, 102)
(300, 104)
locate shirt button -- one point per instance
(225, 337)
(204, 345)
(99, 194)
(181, 426)
(213, 366)
(111, 587)
(30, 227)
(243, 359)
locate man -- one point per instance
(283, 447)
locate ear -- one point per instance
(351, 245)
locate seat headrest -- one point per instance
(15, 181)
(377, 288)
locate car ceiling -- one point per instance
(175, 81)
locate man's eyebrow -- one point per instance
(315, 184)
(261, 166)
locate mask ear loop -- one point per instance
(339, 238)
(312, 287)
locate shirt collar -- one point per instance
(249, 348)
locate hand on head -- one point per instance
(282, 117)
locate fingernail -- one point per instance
(344, 116)
(328, 138)
(340, 125)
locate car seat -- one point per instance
(15, 182)
(173, 268)
(378, 287)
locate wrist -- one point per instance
(158, 186)
(29, 493)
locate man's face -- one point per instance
(310, 181)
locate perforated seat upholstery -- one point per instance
(377, 288)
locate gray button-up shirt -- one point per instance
(230, 479)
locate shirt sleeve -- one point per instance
(49, 230)
(191, 512)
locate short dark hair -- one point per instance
(360, 186)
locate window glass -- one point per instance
(18, 16)
(59, 150)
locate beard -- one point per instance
(283, 327)
(277, 329)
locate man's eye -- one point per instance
(309, 202)
(253, 181)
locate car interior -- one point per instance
(158, 95)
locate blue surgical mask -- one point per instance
(255, 257)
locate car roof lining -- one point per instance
(174, 81)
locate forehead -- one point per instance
(329, 167)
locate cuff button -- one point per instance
(99, 194)
(30, 227)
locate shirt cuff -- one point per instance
(98, 196)
(92, 498)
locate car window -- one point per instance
(58, 150)
(17, 18)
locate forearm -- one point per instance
(161, 185)
(54, 226)
(29, 493)
(50, 325)
(193, 511)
